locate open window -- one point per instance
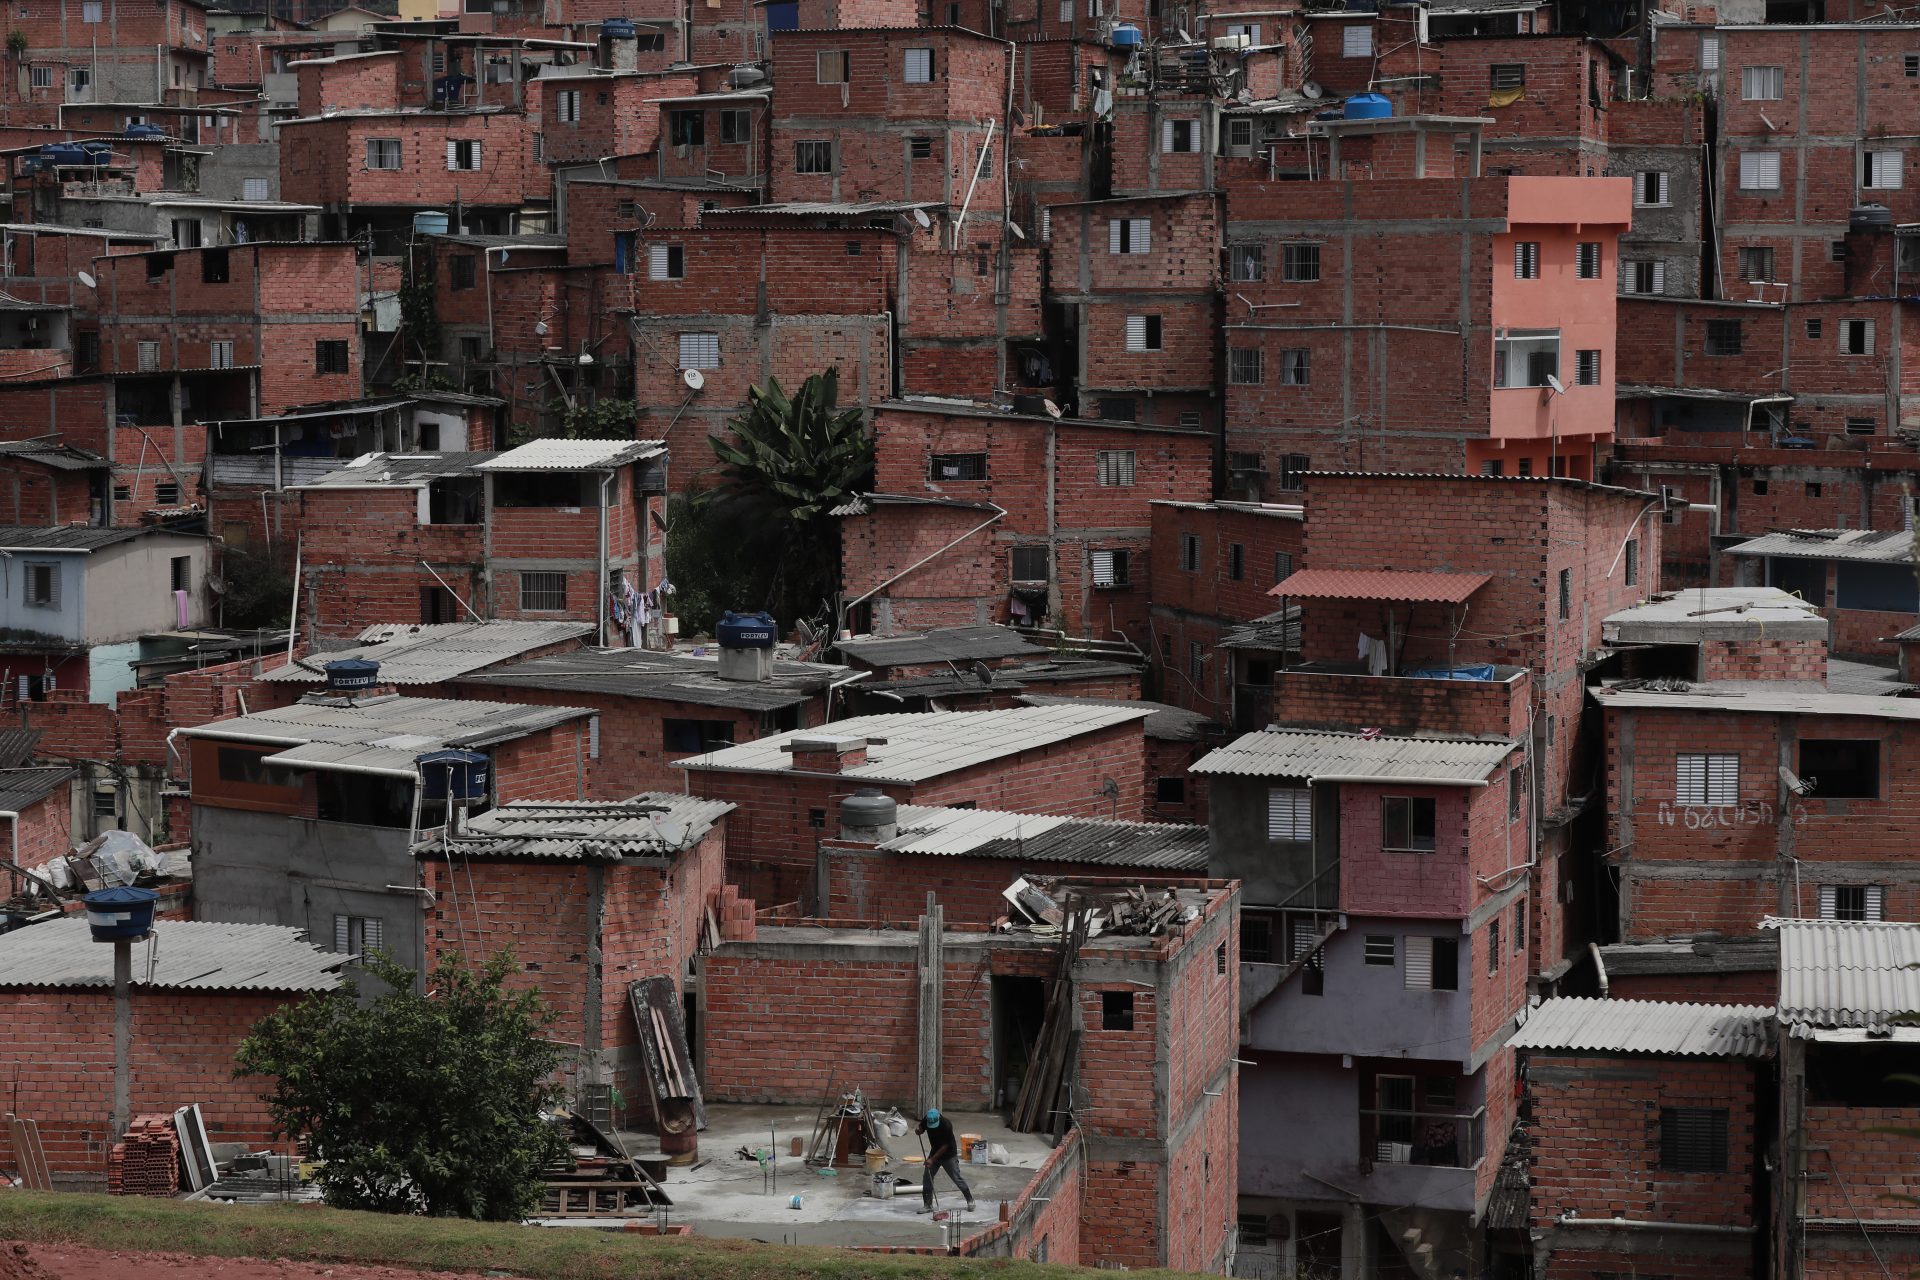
(1841, 768)
(1526, 357)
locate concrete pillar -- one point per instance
(122, 1039)
(932, 925)
(1355, 1256)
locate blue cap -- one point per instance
(933, 1115)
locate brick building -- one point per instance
(1860, 580)
(46, 483)
(38, 804)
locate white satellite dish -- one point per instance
(586, 358)
(539, 328)
(693, 378)
(1559, 387)
(1053, 410)
(1311, 90)
(1018, 234)
(87, 279)
(920, 216)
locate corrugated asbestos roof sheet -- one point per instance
(192, 955)
(1763, 697)
(1379, 584)
(381, 733)
(23, 788)
(58, 457)
(1277, 630)
(572, 455)
(427, 653)
(668, 677)
(73, 537)
(1290, 753)
(654, 824)
(408, 470)
(1847, 973)
(990, 833)
(1649, 1026)
(17, 746)
(916, 746)
(1869, 545)
(946, 644)
(1164, 722)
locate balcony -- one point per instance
(1422, 1157)
(1432, 699)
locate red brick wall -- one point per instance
(324, 161)
(45, 829)
(32, 494)
(548, 765)
(1758, 986)
(360, 82)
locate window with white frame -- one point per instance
(1250, 30)
(1762, 84)
(813, 155)
(1650, 189)
(1356, 41)
(1114, 468)
(1759, 170)
(147, 357)
(1586, 368)
(1709, 51)
(1109, 568)
(1526, 357)
(1526, 259)
(1143, 333)
(463, 155)
(80, 79)
(383, 153)
(1756, 263)
(1179, 135)
(1244, 366)
(699, 351)
(40, 77)
(1289, 813)
(1130, 235)
(1856, 337)
(255, 189)
(1881, 170)
(1706, 778)
(666, 262)
(917, 66)
(1643, 277)
(1296, 367)
(90, 11)
(357, 935)
(1852, 902)
(1066, 13)
(1586, 260)
(1248, 262)
(220, 355)
(566, 106)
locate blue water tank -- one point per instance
(1125, 36)
(453, 775)
(67, 153)
(145, 131)
(1368, 106)
(120, 915)
(746, 630)
(352, 674)
(617, 28)
(431, 223)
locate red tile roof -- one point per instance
(1380, 584)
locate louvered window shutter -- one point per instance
(1659, 277)
(1876, 901)
(341, 933)
(1419, 968)
(1115, 229)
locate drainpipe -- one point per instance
(600, 608)
(1599, 965)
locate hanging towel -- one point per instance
(180, 609)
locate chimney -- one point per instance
(746, 646)
(822, 753)
(869, 817)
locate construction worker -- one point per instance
(943, 1152)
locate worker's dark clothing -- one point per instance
(943, 1153)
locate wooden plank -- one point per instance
(669, 1059)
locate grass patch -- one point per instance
(307, 1233)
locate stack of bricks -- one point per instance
(735, 914)
(147, 1161)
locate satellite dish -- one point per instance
(1311, 90)
(693, 378)
(586, 358)
(1559, 387)
(920, 216)
(1018, 234)
(1053, 410)
(87, 280)
(539, 328)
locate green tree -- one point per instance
(791, 461)
(418, 1103)
(258, 592)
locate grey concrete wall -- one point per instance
(224, 174)
(1298, 1115)
(1367, 1010)
(65, 621)
(1671, 233)
(1270, 872)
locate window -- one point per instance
(1756, 264)
(1282, 566)
(357, 935)
(1516, 791)
(1862, 426)
(1109, 568)
(830, 66)
(43, 585)
(1196, 659)
(220, 355)
(1650, 189)
(1179, 135)
(463, 155)
(1433, 964)
(1115, 467)
(1300, 263)
(957, 466)
(1884, 588)
(1493, 946)
(106, 803)
(1119, 408)
(1507, 75)
(1407, 823)
(919, 148)
(1813, 488)
(1643, 277)
(1380, 949)
(1116, 1010)
(383, 153)
(90, 11)
(147, 356)
(1706, 778)
(1633, 562)
(1169, 790)
(1762, 84)
(1880, 170)
(1841, 768)
(1526, 357)
(1251, 30)
(1693, 1139)
(687, 128)
(1587, 260)
(1913, 66)
(1586, 368)
(80, 79)
(186, 233)
(1296, 370)
(1190, 552)
(1066, 12)
(1566, 594)
(1709, 51)
(917, 65)
(1293, 471)
(255, 189)
(566, 107)
(543, 592)
(1836, 251)
(1289, 813)
(41, 77)
(460, 272)
(699, 351)
(166, 494)
(1143, 333)
(1236, 561)
(1723, 338)
(666, 262)
(1526, 259)
(330, 355)
(736, 126)
(1249, 261)
(1129, 235)
(1239, 137)
(1852, 902)
(813, 156)
(1032, 564)
(1856, 337)
(180, 573)
(1243, 366)
(1356, 41)
(1759, 170)
(1520, 926)
(697, 737)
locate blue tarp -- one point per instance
(1476, 671)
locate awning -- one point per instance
(1380, 584)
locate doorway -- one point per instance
(1019, 1006)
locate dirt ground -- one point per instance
(77, 1262)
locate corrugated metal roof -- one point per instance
(1847, 973)
(58, 457)
(1165, 723)
(946, 644)
(1279, 630)
(1846, 676)
(1291, 753)
(991, 833)
(572, 455)
(1649, 1026)
(805, 208)
(193, 955)
(428, 653)
(915, 746)
(23, 788)
(1869, 545)
(17, 746)
(405, 470)
(653, 824)
(382, 733)
(75, 537)
(1379, 584)
(670, 677)
(1763, 697)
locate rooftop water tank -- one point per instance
(746, 77)
(145, 131)
(617, 28)
(430, 223)
(746, 630)
(121, 915)
(1125, 36)
(869, 815)
(1870, 215)
(350, 675)
(453, 775)
(1368, 106)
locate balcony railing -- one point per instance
(1438, 1139)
